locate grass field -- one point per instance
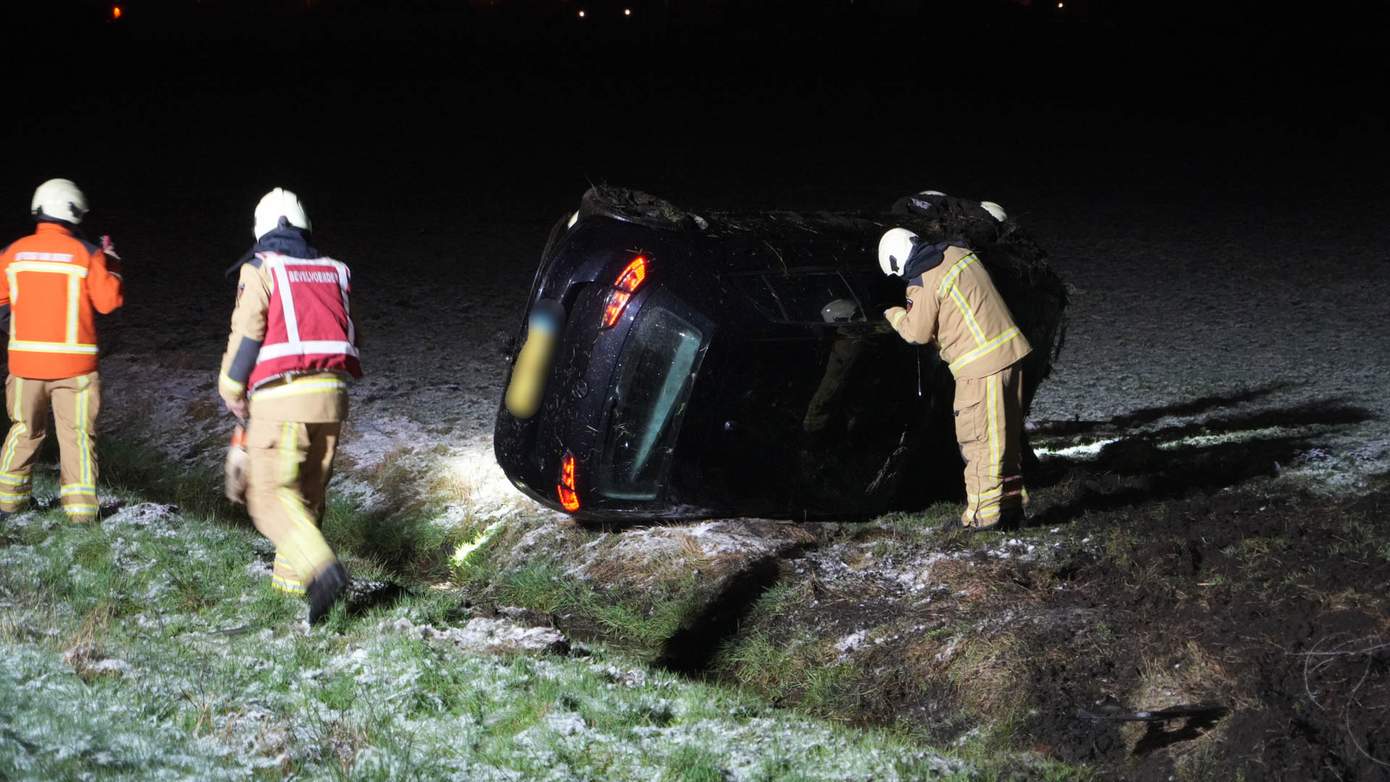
(151, 647)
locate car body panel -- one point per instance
(722, 389)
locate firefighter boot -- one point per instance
(325, 590)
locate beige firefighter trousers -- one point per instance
(289, 466)
(75, 402)
(989, 428)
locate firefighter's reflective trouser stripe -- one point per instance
(989, 428)
(75, 402)
(290, 464)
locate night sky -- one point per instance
(801, 103)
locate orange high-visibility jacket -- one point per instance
(52, 282)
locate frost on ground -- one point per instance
(491, 636)
(150, 655)
(1184, 312)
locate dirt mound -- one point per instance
(1265, 619)
(669, 593)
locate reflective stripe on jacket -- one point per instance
(308, 324)
(55, 283)
(956, 305)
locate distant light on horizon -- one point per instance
(581, 13)
(116, 12)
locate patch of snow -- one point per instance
(847, 644)
(145, 515)
(565, 723)
(630, 677)
(1225, 438)
(1084, 451)
(488, 635)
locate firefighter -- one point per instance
(291, 352)
(952, 301)
(51, 284)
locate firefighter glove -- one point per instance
(235, 467)
(895, 315)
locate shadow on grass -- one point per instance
(406, 544)
(134, 468)
(691, 649)
(367, 596)
(400, 548)
(1150, 414)
(1159, 735)
(1174, 461)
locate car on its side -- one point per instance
(682, 365)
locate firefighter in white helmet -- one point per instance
(52, 284)
(952, 302)
(291, 353)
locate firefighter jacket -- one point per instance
(53, 283)
(293, 342)
(956, 305)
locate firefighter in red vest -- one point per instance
(51, 285)
(291, 353)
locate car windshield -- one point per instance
(655, 374)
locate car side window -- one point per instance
(797, 297)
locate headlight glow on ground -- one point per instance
(475, 478)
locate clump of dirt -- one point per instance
(88, 662)
(489, 636)
(667, 593)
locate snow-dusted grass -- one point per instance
(147, 647)
(639, 621)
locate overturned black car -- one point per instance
(675, 365)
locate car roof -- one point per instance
(751, 242)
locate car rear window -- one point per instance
(655, 374)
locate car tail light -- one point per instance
(631, 278)
(566, 488)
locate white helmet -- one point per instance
(995, 210)
(893, 249)
(59, 199)
(276, 204)
(932, 192)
